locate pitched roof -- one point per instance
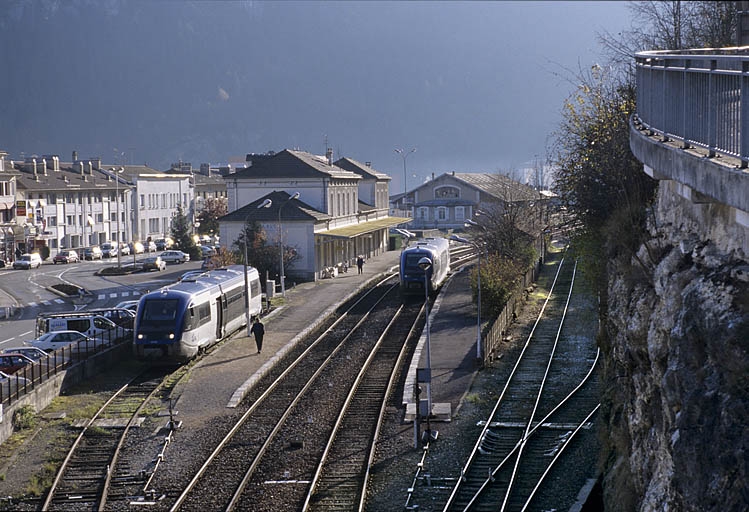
(293, 210)
(294, 164)
(497, 185)
(361, 169)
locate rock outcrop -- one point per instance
(677, 378)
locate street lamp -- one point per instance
(478, 284)
(117, 200)
(264, 204)
(425, 264)
(280, 242)
(404, 155)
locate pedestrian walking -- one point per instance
(360, 263)
(258, 329)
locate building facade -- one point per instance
(341, 211)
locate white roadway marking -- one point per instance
(22, 335)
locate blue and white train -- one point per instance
(412, 276)
(178, 321)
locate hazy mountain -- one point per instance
(471, 85)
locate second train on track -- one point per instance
(412, 280)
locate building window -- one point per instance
(142, 200)
(441, 213)
(446, 192)
(422, 213)
(460, 212)
(99, 217)
(53, 220)
(71, 220)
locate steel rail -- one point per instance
(500, 399)
(238, 425)
(540, 390)
(556, 457)
(68, 458)
(271, 437)
(346, 406)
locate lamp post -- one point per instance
(264, 204)
(404, 154)
(478, 284)
(117, 200)
(425, 264)
(280, 242)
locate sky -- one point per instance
(472, 86)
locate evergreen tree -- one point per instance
(181, 233)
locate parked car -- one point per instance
(109, 250)
(2, 263)
(11, 381)
(162, 244)
(137, 248)
(154, 263)
(124, 249)
(151, 246)
(53, 340)
(119, 316)
(27, 261)
(132, 305)
(33, 353)
(66, 257)
(207, 251)
(11, 363)
(175, 257)
(92, 253)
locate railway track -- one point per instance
(83, 480)
(268, 458)
(545, 404)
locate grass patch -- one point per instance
(474, 398)
(25, 418)
(42, 480)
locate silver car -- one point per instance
(174, 257)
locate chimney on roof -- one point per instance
(368, 164)
(75, 156)
(329, 155)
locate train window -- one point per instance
(159, 310)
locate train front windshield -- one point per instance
(159, 313)
(412, 262)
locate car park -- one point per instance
(66, 257)
(92, 253)
(11, 363)
(89, 322)
(207, 251)
(33, 353)
(175, 257)
(109, 250)
(28, 261)
(153, 263)
(53, 340)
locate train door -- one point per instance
(220, 310)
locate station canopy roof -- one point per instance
(363, 228)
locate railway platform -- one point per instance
(227, 374)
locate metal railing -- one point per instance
(30, 376)
(697, 97)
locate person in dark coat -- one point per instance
(360, 263)
(258, 329)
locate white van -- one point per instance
(92, 325)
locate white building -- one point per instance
(341, 210)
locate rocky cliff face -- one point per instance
(677, 377)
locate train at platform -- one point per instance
(412, 280)
(176, 322)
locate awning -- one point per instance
(354, 230)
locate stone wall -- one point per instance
(677, 373)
